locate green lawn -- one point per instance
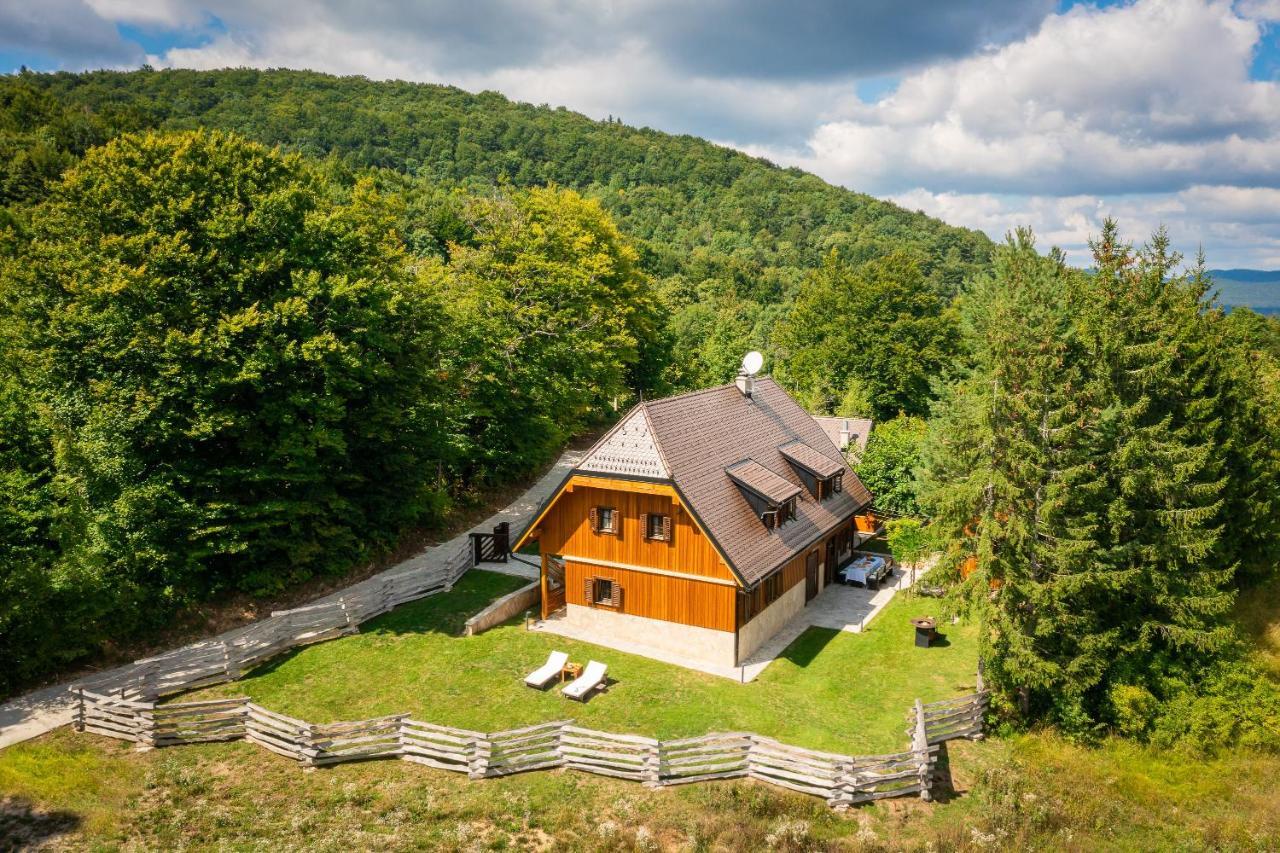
(1027, 791)
(830, 690)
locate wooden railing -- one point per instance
(841, 780)
(228, 657)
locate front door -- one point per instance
(811, 576)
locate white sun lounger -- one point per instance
(591, 679)
(549, 670)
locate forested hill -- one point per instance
(726, 238)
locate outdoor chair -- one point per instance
(549, 670)
(592, 679)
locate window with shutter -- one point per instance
(604, 592)
(595, 520)
(657, 527)
(646, 524)
(615, 594)
(606, 519)
(589, 591)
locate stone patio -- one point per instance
(842, 608)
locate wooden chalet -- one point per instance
(701, 523)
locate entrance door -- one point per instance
(833, 555)
(811, 576)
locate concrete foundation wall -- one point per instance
(511, 604)
(706, 644)
(770, 621)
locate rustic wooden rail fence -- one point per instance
(842, 780)
(228, 657)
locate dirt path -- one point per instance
(44, 710)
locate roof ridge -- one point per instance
(698, 391)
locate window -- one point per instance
(657, 527)
(604, 519)
(603, 591)
(832, 485)
(780, 514)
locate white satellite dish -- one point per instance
(752, 362)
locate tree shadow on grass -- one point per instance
(807, 646)
(25, 827)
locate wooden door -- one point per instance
(552, 585)
(811, 576)
(833, 556)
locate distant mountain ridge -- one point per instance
(1256, 289)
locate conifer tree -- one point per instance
(1011, 477)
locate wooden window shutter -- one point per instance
(644, 525)
(589, 590)
(615, 594)
(595, 520)
(666, 528)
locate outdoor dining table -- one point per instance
(859, 569)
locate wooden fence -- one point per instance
(842, 780)
(228, 657)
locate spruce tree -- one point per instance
(1011, 477)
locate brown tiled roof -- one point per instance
(857, 430)
(811, 460)
(762, 481)
(702, 433)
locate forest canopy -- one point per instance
(259, 323)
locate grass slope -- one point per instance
(1025, 791)
(830, 690)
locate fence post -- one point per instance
(481, 753)
(79, 718)
(146, 718)
(982, 682)
(920, 744)
(653, 765)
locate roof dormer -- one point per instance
(771, 496)
(821, 475)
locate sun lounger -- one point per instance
(549, 670)
(591, 679)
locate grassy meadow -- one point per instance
(1018, 791)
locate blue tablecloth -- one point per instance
(857, 571)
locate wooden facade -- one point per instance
(681, 579)
(566, 529)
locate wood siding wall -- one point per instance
(566, 529)
(681, 600)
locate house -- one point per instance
(848, 434)
(700, 524)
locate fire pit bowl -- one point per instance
(924, 626)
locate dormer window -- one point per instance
(821, 475)
(772, 496)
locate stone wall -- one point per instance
(688, 641)
(512, 604)
(770, 621)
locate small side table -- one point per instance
(570, 670)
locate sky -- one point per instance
(988, 114)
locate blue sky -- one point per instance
(989, 114)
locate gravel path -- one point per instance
(33, 714)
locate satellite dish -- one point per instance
(752, 362)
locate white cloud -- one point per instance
(1237, 226)
(1151, 96)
